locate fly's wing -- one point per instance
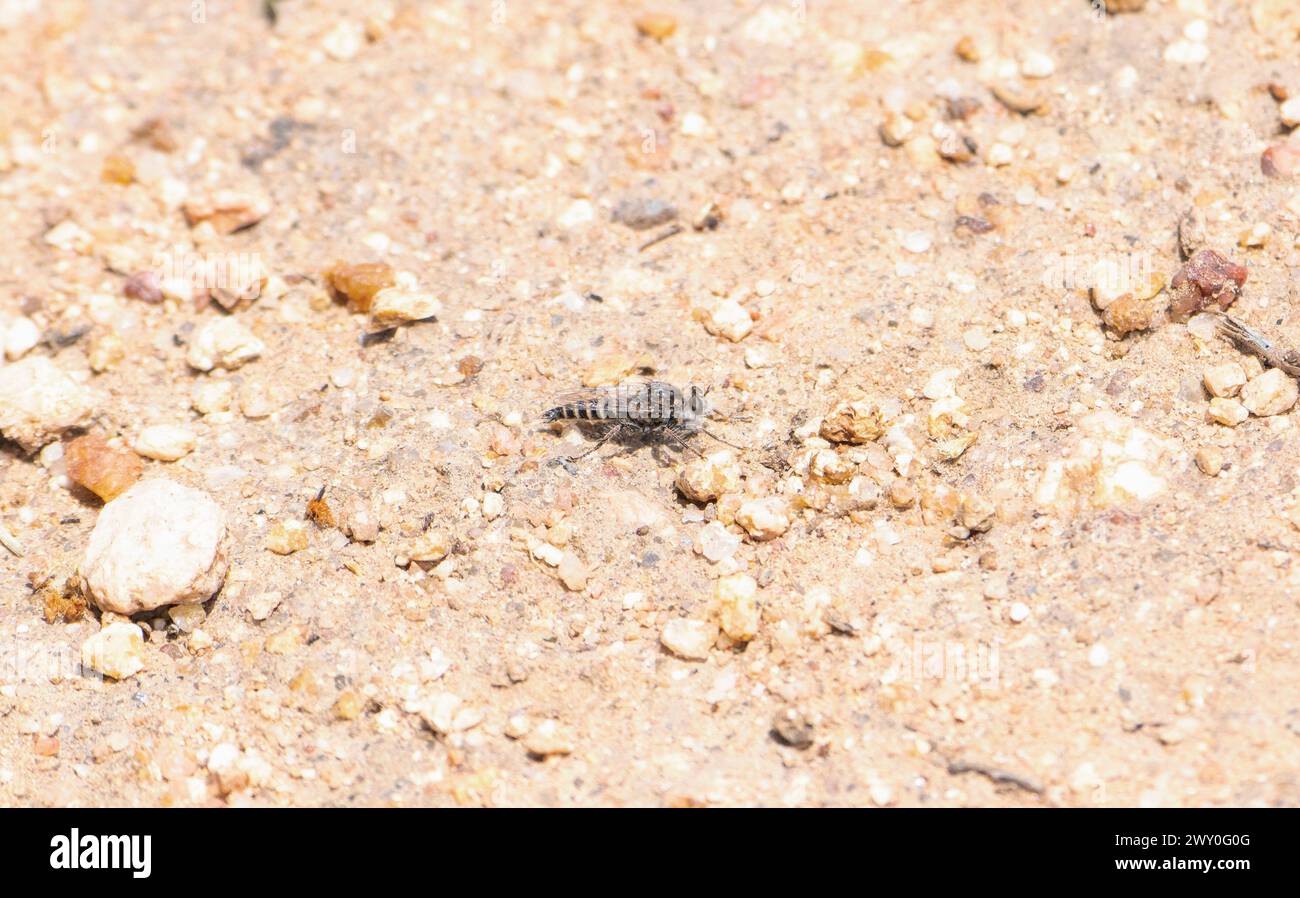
(608, 403)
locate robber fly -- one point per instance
(651, 408)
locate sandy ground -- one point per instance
(1022, 588)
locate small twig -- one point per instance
(997, 775)
(10, 541)
(671, 232)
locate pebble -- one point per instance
(1109, 460)
(641, 213)
(430, 547)
(1224, 380)
(1210, 460)
(212, 396)
(548, 738)
(1228, 412)
(854, 421)
(942, 384)
(1206, 280)
(106, 351)
(20, 337)
(1019, 612)
(393, 305)
(1282, 160)
(764, 519)
(976, 339)
(105, 470)
(165, 442)
(1186, 52)
(227, 211)
(69, 236)
(738, 612)
(792, 728)
(706, 479)
(446, 713)
(223, 343)
(916, 242)
(287, 536)
(573, 573)
(188, 617)
(578, 213)
(261, 605)
(116, 651)
(896, 129)
(157, 544)
(38, 402)
(1290, 112)
(729, 319)
(658, 25)
(344, 41)
(1098, 655)
(493, 506)
(1037, 64)
(715, 542)
(1272, 393)
(688, 638)
(359, 283)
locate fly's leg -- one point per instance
(707, 433)
(609, 434)
(676, 435)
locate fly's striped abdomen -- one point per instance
(646, 404)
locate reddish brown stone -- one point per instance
(145, 286)
(1207, 279)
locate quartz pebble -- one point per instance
(287, 536)
(262, 604)
(764, 519)
(393, 306)
(227, 211)
(738, 613)
(715, 542)
(573, 573)
(1224, 380)
(1272, 393)
(38, 402)
(223, 343)
(116, 651)
(1228, 412)
(547, 739)
(105, 470)
(157, 544)
(212, 396)
(20, 337)
(729, 319)
(1210, 460)
(165, 442)
(857, 421)
(1108, 461)
(706, 479)
(688, 638)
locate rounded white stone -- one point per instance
(157, 544)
